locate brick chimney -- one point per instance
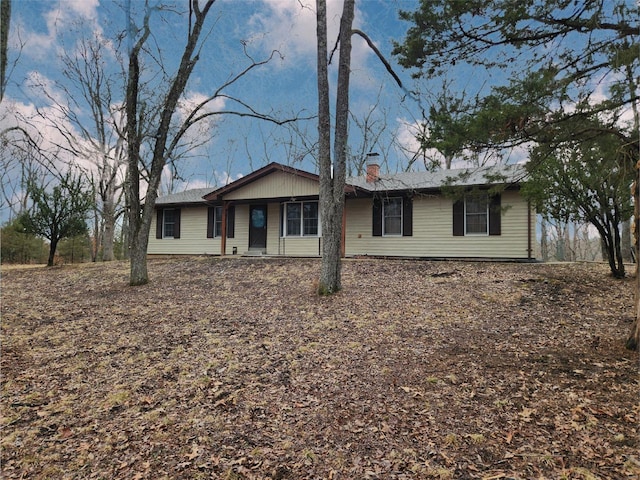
(373, 172)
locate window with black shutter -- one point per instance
(477, 215)
(392, 217)
(214, 221)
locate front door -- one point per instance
(257, 227)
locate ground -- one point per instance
(235, 369)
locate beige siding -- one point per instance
(300, 246)
(433, 231)
(193, 236)
(276, 185)
(240, 238)
(275, 244)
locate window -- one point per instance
(214, 221)
(477, 215)
(301, 219)
(392, 216)
(294, 217)
(217, 222)
(168, 223)
(310, 218)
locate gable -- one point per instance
(277, 184)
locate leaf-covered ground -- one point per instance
(234, 369)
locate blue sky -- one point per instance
(42, 31)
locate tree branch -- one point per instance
(379, 54)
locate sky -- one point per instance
(42, 31)
(227, 147)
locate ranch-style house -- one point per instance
(473, 214)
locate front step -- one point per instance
(254, 252)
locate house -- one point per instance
(274, 211)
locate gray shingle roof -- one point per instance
(498, 174)
(189, 196)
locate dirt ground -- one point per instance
(235, 369)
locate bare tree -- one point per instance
(5, 22)
(333, 174)
(372, 125)
(148, 154)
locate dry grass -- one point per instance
(236, 369)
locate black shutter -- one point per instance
(231, 221)
(281, 219)
(176, 226)
(495, 215)
(377, 217)
(159, 217)
(407, 217)
(458, 218)
(210, 221)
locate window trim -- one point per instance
(217, 221)
(385, 203)
(165, 223)
(486, 216)
(407, 216)
(494, 217)
(285, 219)
(214, 216)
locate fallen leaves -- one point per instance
(232, 368)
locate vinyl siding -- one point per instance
(193, 236)
(276, 185)
(300, 246)
(290, 246)
(433, 231)
(240, 239)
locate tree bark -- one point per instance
(5, 22)
(108, 232)
(52, 252)
(140, 215)
(633, 342)
(625, 241)
(332, 180)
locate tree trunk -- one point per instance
(140, 216)
(626, 241)
(125, 237)
(560, 255)
(94, 246)
(332, 180)
(108, 232)
(52, 252)
(544, 241)
(139, 274)
(633, 342)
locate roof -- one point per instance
(194, 195)
(497, 174)
(261, 172)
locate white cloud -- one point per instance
(192, 99)
(220, 179)
(290, 27)
(59, 21)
